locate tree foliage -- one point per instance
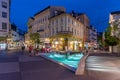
(111, 41)
(35, 37)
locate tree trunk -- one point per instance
(65, 43)
(112, 49)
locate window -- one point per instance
(52, 22)
(68, 20)
(61, 19)
(72, 29)
(68, 28)
(57, 29)
(4, 26)
(72, 22)
(4, 4)
(4, 14)
(61, 28)
(56, 21)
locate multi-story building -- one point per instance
(4, 17)
(92, 37)
(41, 20)
(4, 22)
(65, 24)
(17, 37)
(114, 19)
(27, 35)
(83, 18)
(54, 21)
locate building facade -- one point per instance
(4, 22)
(92, 37)
(65, 25)
(114, 19)
(41, 20)
(85, 20)
(27, 35)
(16, 37)
(53, 21)
(4, 17)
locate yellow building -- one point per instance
(56, 27)
(65, 26)
(41, 21)
(27, 35)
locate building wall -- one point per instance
(66, 23)
(41, 21)
(85, 20)
(115, 17)
(30, 30)
(3, 17)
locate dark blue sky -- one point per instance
(97, 10)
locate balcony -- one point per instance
(40, 30)
(65, 32)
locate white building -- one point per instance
(54, 21)
(41, 20)
(114, 19)
(4, 17)
(92, 37)
(4, 22)
(17, 37)
(65, 24)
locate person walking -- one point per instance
(36, 50)
(30, 50)
(23, 47)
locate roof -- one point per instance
(31, 18)
(42, 10)
(13, 27)
(115, 12)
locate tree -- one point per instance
(111, 41)
(35, 37)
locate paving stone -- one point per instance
(11, 76)
(9, 67)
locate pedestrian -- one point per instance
(23, 48)
(36, 50)
(30, 49)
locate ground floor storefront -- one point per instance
(60, 44)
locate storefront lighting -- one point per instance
(80, 45)
(56, 42)
(71, 42)
(75, 42)
(61, 39)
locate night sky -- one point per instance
(97, 10)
